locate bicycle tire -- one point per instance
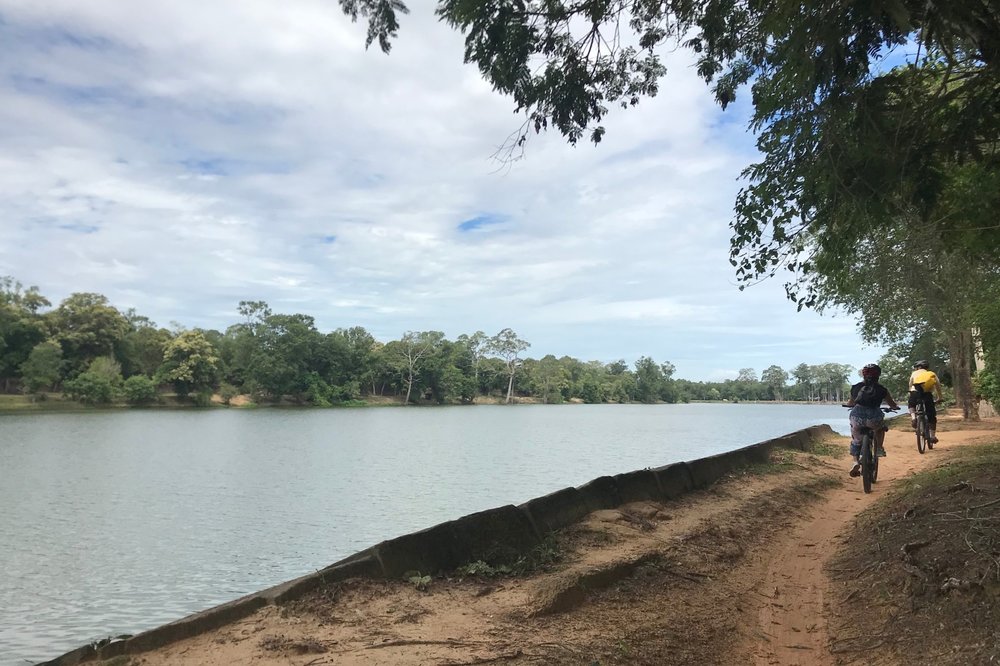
(874, 469)
(927, 433)
(921, 429)
(866, 462)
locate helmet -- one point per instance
(921, 364)
(871, 370)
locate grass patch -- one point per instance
(780, 460)
(829, 447)
(51, 402)
(539, 558)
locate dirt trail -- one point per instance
(731, 575)
(796, 617)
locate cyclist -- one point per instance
(865, 403)
(922, 383)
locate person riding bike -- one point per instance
(865, 403)
(923, 382)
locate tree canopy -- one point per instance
(284, 358)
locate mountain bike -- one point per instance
(923, 426)
(867, 456)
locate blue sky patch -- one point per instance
(480, 221)
(213, 166)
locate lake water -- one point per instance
(115, 522)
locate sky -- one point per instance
(179, 157)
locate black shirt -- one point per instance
(869, 395)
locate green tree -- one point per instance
(447, 374)
(406, 355)
(508, 347)
(141, 350)
(190, 363)
(549, 378)
(108, 369)
(21, 327)
(477, 346)
(284, 351)
(41, 369)
(775, 378)
(804, 380)
(352, 362)
(651, 380)
(87, 326)
(255, 315)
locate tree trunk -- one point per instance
(510, 387)
(960, 350)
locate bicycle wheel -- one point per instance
(874, 469)
(927, 434)
(867, 462)
(921, 433)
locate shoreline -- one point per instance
(54, 403)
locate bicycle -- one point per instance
(867, 456)
(923, 426)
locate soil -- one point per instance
(773, 565)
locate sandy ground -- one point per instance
(735, 574)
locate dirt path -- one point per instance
(795, 618)
(731, 575)
(796, 577)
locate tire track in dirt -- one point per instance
(795, 594)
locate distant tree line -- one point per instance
(93, 352)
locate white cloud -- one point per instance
(181, 156)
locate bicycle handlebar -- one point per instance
(884, 409)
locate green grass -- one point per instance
(53, 402)
(827, 447)
(781, 460)
(539, 558)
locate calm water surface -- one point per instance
(116, 522)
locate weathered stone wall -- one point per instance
(504, 532)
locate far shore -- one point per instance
(55, 402)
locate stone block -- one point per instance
(601, 493)
(637, 486)
(556, 510)
(674, 479)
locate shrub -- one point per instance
(988, 386)
(91, 388)
(317, 391)
(227, 392)
(140, 390)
